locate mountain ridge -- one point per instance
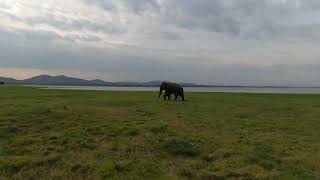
(62, 80)
(72, 81)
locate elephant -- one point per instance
(171, 88)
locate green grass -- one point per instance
(58, 134)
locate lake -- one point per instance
(302, 90)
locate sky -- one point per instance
(223, 42)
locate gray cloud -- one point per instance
(247, 42)
(245, 18)
(171, 36)
(33, 51)
(203, 14)
(105, 4)
(136, 6)
(69, 24)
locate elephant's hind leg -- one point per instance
(176, 97)
(182, 96)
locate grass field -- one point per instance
(58, 134)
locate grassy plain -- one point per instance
(59, 134)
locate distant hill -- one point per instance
(8, 80)
(62, 80)
(71, 81)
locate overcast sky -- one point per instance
(229, 42)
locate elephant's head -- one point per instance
(162, 87)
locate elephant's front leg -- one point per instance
(169, 97)
(175, 97)
(166, 95)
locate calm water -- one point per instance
(196, 89)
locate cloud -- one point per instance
(208, 41)
(136, 6)
(248, 19)
(71, 20)
(251, 19)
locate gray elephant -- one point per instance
(171, 88)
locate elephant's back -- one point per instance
(176, 85)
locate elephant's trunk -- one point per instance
(160, 93)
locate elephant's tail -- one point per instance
(182, 95)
